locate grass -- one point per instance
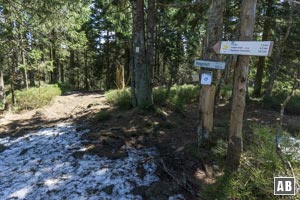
(260, 163)
(179, 97)
(33, 98)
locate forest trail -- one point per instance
(69, 106)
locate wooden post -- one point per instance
(214, 31)
(241, 70)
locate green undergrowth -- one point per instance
(65, 87)
(103, 115)
(35, 97)
(119, 98)
(226, 91)
(274, 102)
(178, 97)
(260, 163)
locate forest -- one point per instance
(124, 73)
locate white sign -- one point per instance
(254, 48)
(206, 78)
(137, 49)
(209, 64)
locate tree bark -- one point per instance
(2, 87)
(31, 78)
(261, 60)
(24, 64)
(56, 66)
(235, 144)
(62, 72)
(71, 67)
(132, 56)
(143, 89)
(150, 39)
(86, 71)
(109, 71)
(214, 32)
(14, 66)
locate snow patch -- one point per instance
(41, 165)
(290, 146)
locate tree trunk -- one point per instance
(157, 48)
(77, 70)
(31, 78)
(56, 66)
(24, 65)
(2, 88)
(235, 144)
(86, 72)
(14, 66)
(62, 72)
(214, 32)
(72, 67)
(143, 89)
(261, 60)
(132, 57)
(273, 72)
(150, 39)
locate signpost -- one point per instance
(249, 48)
(209, 64)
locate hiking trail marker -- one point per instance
(206, 78)
(249, 48)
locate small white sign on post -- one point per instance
(206, 78)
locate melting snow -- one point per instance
(41, 165)
(290, 146)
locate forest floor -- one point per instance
(127, 154)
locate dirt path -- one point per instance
(64, 107)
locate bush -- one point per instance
(65, 87)
(182, 95)
(159, 96)
(274, 103)
(293, 107)
(119, 98)
(33, 98)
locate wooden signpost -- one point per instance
(244, 49)
(207, 93)
(248, 48)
